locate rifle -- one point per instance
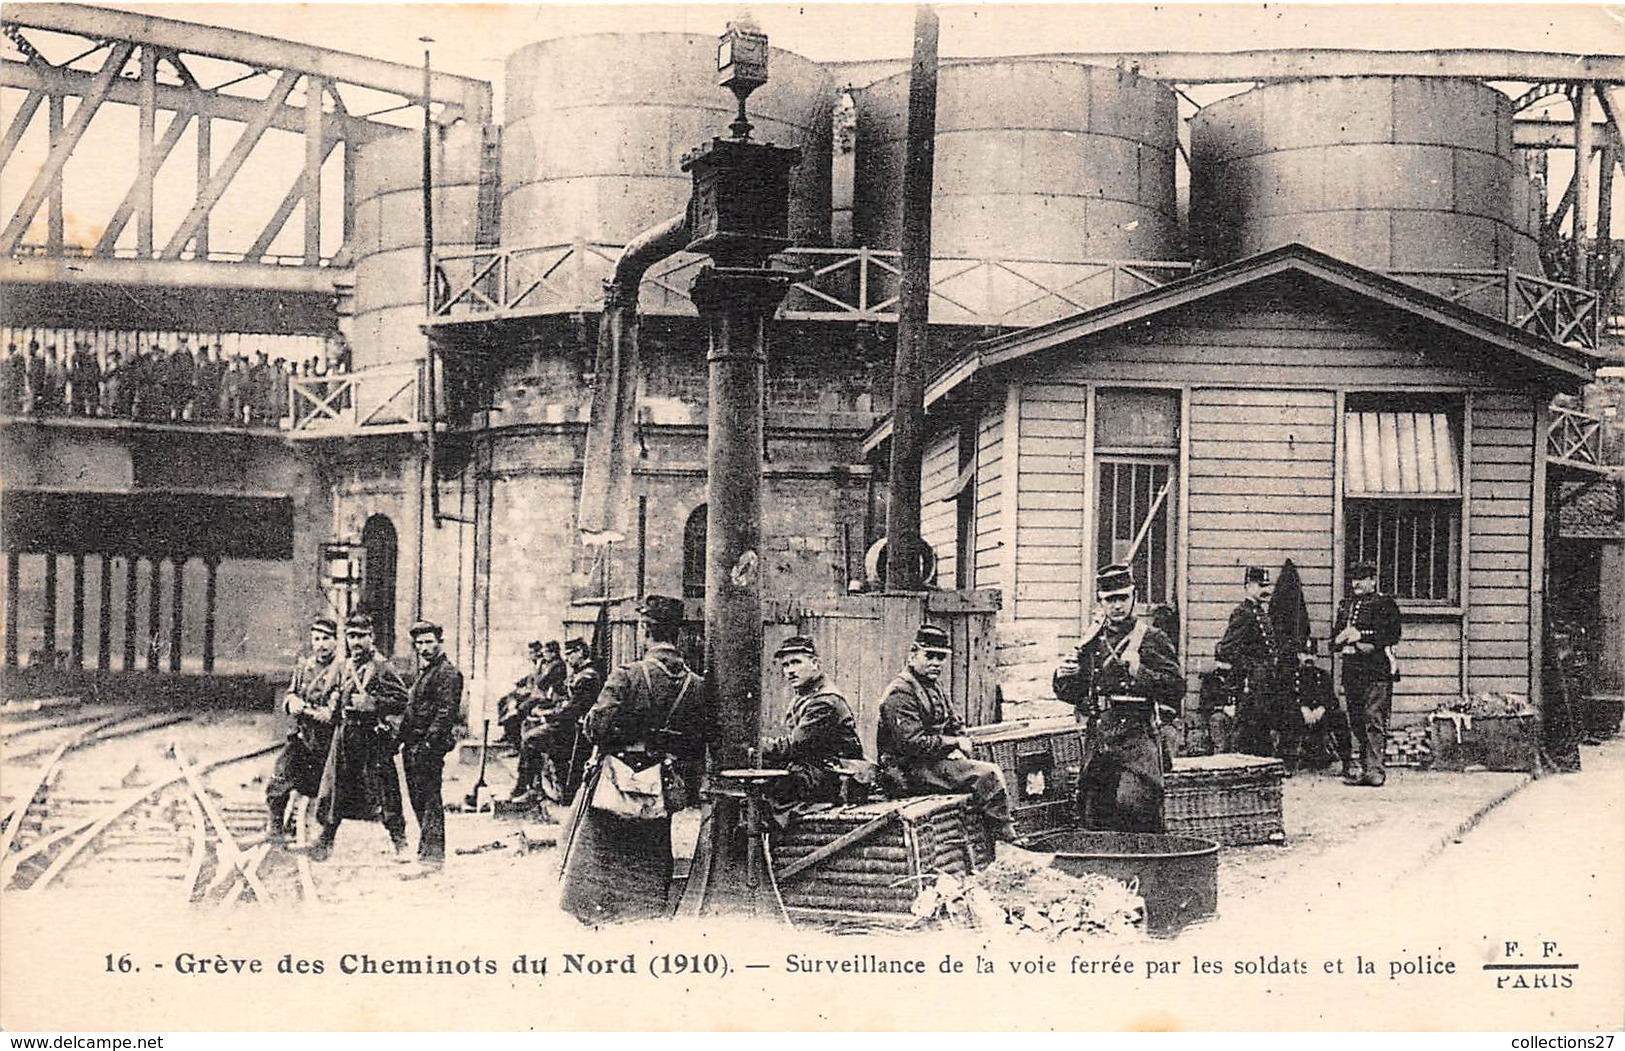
(473, 800)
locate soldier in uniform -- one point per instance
(923, 750)
(1251, 648)
(434, 707)
(1123, 680)
(1322, 715)
(516, 703)
(310, 699)
(651, 711)
(581, 688)
(1366, 629)
(548, 734)
(821, 735)
(359, 781)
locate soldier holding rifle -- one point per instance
(359, 781)
(1123, 681)
(311, 699)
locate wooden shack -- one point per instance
(1288, 405)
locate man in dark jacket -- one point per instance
(922, 746)
(311, 699)
(85, 378)
(653, 711)
(820, 732)
(1321, 714)
(1123, 681)
(1251, 648)
(434, 706)
(1365, 631)
(359, 782)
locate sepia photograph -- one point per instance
(836, 517)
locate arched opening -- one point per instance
(694, 554)
(378, 582)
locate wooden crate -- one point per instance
(1041, 760)
(1233, 799)
(880, 875)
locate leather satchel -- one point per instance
(637, 795)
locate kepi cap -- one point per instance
(1256, 575)
(426, 627)
(795, 644)
(1114, 579)
(1362, 570)
(577, 645)
(358, 623)
(931, 637)
(324, 626)
(662, 609)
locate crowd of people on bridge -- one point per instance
(178, 384)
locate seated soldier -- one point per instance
(922, 747)
(516, 704)
(821, 738)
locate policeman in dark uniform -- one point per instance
(1123, 681)
(1321, 714)
(1251, 647)
(821, 734)
(311, 699)
(1365, 631)
(434, 707)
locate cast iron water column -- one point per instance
(739, 216)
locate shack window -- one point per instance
(1133, 522)
(1137, 419)
(1403, 494)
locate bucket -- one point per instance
(1179, 875)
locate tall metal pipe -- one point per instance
(606, 476)
(914, 322)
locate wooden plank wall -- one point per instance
(993, 555)
(939, 525)
(1501, 474)
(1261, 463)
(1049, 502)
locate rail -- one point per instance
(378, 400)
(1575, 439)
(34, 250)
(1541, 307)
(862, 284)
(836, 284)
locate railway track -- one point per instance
(121, 803)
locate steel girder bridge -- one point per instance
(116, 94)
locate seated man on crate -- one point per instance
(1123, 681)
(820, 745)
(923, 750)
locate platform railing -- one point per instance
(1549, 309)
(1575, 439)
(377, 400)
(862, 284)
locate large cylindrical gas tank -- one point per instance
(597, 128)
(1036, 159)
(388, 234)
(1389, 173)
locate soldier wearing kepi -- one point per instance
(428, 730)
(821, 735)
(311, 700)
(1123, 679)
(923, 750)
(1251, 647)
(1365, 631)
(359, 781)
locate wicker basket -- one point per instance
(1040, 759)
(879, 876)
(1234, 799)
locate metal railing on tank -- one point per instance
(842, 284)
(377, 400)
(1539, 306)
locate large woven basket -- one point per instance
(1233, 799)
(880, 876)
(1040, 760)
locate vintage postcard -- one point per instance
(988, 517)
